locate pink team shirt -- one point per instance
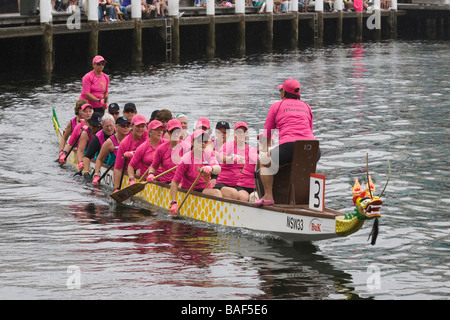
(293, 118)
(166, 158)
(128, 144)
(98, 86)
(230, 171)
(73, 140)
(247, 177)
(143, 157)
(187, 170)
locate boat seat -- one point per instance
(291, 183)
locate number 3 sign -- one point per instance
(317, 192)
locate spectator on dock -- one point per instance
(286, 6)
(348, 5)
(96, 86)
(303, 6)
(121, 11)
(276, 6)
(105, 11)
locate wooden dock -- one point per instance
(226, 27)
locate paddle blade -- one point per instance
(128, 192)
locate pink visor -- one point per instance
(98, 59)
(173, 124)
(155, 124)
(291, 86)
(84, 106)
(138, 119)
(240, 124)
(203, 122)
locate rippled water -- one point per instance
(388, 99)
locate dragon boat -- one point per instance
(292, 218)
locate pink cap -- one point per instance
(84, 106)
(98, 59)
(155, 124)
(197, 133)
(203, 122)
(173, 124)
(240, 124)
(138, 119)
(291, 86)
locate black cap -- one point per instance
(121, 120)
(153, 115)
(96, 119)
(113, 107)
(222, 124)
(130, 106)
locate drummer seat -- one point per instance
(291, 182)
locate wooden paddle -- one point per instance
(137, 187)
(189, 191)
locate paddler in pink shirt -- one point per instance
(242, 182)
(169, 153)
(96, 85)
(79, 116)
(145, 153)
(87, 112)
(128, 146)
(294, 120)
(232, 157)
(199, 159)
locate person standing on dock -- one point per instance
(96, 85)
(294, 120)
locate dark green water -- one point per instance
(388, 99)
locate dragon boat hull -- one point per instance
(291, 223)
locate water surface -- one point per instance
(387, 99)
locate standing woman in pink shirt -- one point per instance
(294, 120)
(145, 153)
(95, 86)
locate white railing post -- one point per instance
(269, 6)
(239, 6)
(394, 4)
(318, 6)
(174, 8)
(92, 10)
(45, 8)
(136, 12)
(210, 7)
(294, 5)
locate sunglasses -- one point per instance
(125, 125)
(114, 113)
(100, 63)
